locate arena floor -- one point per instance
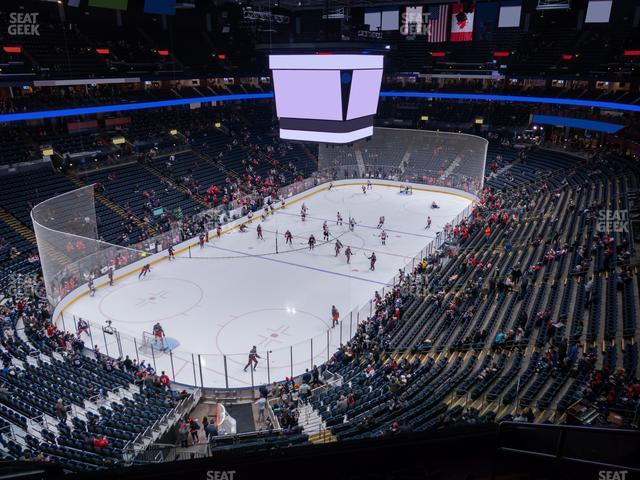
(237, 292)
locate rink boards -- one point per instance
(213, 304)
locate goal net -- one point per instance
(149, 339)
(156, 345)
(453, 160)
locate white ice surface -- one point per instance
(237, 292)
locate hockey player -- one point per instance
(312, 242)
(259, 230)
(383, 237)
(92, 287)
(219, 231)
(338, 219)
(288, 238)
(201, 240)
(243, 227)
(381, 222)
(330, 186)
(428, 223)
(364, 190)
(206, 235)
(158, 335)
(372, 258)
(352, 223)
(348, 253)
(434, 205)
(325, 232)
(83, 327)
(335, 316)
(253, 359)
(338, 246)
(172, 253)
(145, 269)
(369, 185)
(110, 275)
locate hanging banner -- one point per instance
(461, 23)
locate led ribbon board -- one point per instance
(326, 98)
(124, 107)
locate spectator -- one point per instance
(61, 410)
(194, 427)
(262, 405)
(100, 442)
(183, 434)
(211, 431)
(304, 391)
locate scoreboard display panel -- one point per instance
(326, 98)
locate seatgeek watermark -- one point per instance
(21, 285)
(414, 22)
(24, 24)
(612, 474)
(616, 221)
(221, 474)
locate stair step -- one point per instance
(323, 436)
(17, 225)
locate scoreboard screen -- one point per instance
(326, 98)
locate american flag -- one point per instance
(438, 22)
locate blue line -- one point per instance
(249, 255)
(14, 117)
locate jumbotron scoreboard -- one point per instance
(326, 98)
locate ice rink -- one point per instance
(236, 291)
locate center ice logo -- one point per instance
(24, 24)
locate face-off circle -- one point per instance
(274, 328)
(151, 300)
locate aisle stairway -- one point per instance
(314, 426)
(205, 157)
(111, 205)
(18, 226)
(163, 178)
(28, 235)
